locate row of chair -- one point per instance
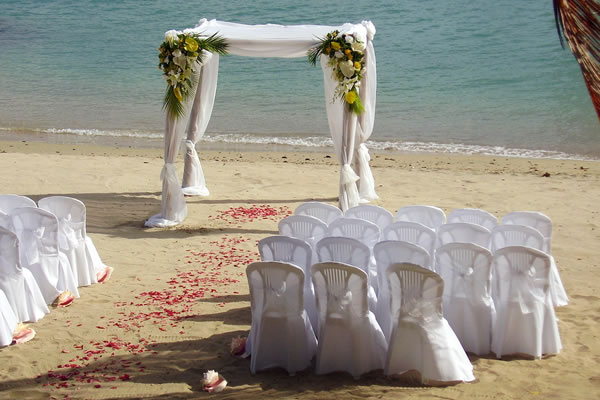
(471, 272)
(349, 337)
(426, 226)
(45, 255)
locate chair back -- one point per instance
(533, 219)
(429, 216)
(37, 230)
(390, 252)
(412, 232)
(276, 288)
(340, 289)
(362, 230)
(9, 202)
(323, 211)
(286, 249)
(344, 250)
(466, 271)
(516, 235)
(463, 232)
(71, 213)
(375, 214)
(473, 216)
(415, 291)
(520, 274)
(303, 227)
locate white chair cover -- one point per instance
(349, 337)
(71, 235)
(349, 251)
(8, 321)
(421, 338)
(429, 216)
(463, 232)
(9, 202)
(468, 304)
(526, 323)
(415, 233)
(323, 211)
(375, 214)
(281, 334)
(474, 216)
(387, 253)
(543, 224)
(18, 284)
(37, 230)
(305, 227)
(294, 251)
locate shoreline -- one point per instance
(134, 337)
(232, 142)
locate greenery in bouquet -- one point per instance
(178, 56)
(346, 59)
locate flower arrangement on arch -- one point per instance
(178, 55)
(346, 58)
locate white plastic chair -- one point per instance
(468, 305)
(281, 334)
(37, 231)
(475, 216)
(533, 219)
(364, 231)
(516, 235)
(348, 251)
(375, 214)
(387, 253)
(429, 216)
(297, 252)
(9, 202)
(305, 227)
(543, 224)
(412, 232)
(350, 339)
(526, 323)
(421, 338)
(18, 284)
(323, 211)
(8, 321)
(72, 236)
(463, 232)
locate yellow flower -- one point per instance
(191, 44)
(350, 97)
(357, 65)
(347, 51)
(349, 57)
(335, 46)
(177, 93)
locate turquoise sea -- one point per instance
(455, 76)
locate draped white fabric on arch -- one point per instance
(348, 131)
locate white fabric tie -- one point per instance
(528, 290)
(67, 238)
(31, 242)
(367, 182)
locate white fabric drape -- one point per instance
(347, 130)
(194, 183)
(366, 120)
(342, 126)
(173, 209)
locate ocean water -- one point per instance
(486, 77)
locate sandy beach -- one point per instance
(178, 296)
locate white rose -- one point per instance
(357, 46)
(339, 54)
(347, 68)
(171, 36)
(177, 53)
(349, 39)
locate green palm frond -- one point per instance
(215, 44)
(578, 21)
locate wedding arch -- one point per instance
(348, 129)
